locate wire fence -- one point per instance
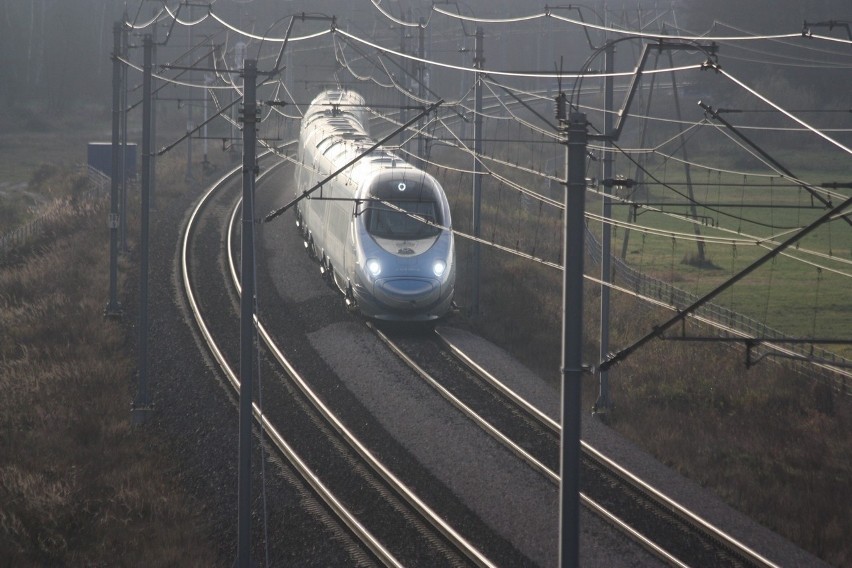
(98, 188)
(807, 359)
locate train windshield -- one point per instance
(397, 210)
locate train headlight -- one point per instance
(374, 267)
(439, 267)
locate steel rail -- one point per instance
(529, 408)
(347, 517)
(421, 507)
(551, 476)
(631, 533)
(466, 410)
(613, 467)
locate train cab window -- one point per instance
(386, 222)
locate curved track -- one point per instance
(530, 435)
(277, 439)
(380, 498)
(664, 527)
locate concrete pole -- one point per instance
(403, 81)
(113, 308)
(421, 89)
(189, 118)
(572, 340)
(123, 164)
(247, 330)
(602, 404)
(142, 402)
(153, 157)
(478, 63)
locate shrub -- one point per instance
(78, 487)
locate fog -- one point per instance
(57, 52)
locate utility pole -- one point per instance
(239, 63)
(687, 170)
(142, 403)
(403, 83)
(123, 165)
(421, 89)
(153, 180)
(602, 404)
(113, 308)
(572, 334)
(248, 333)
(572, 298)
(208, 80)
(478, 63)
(189, 118)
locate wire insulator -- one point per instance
(561, 107)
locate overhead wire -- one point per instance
(685, 196)
(555, 203)
(740, 239)
(394, 19)
(800, 182)
(548, 13)
(515, 117)
(634, 115)
(396, 86)
(182, 22)
(497, 72)
(460, 144)
(154, 19)
(383, 52)
(342, 60)
(797, 45)
(789, 115)
(270, 39)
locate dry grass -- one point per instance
(767, 440)
(78, 486)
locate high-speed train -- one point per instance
(380, 228)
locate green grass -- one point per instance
(803, 292)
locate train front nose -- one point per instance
(407, 293)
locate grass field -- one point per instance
(804, 292)
(768, 440)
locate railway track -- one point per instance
(410, 531)
(390, 522)
(665, 528)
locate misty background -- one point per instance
(55, 54)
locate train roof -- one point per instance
(336, 126)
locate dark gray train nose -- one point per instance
(407, 293)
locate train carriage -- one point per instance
(381, 229)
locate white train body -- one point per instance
(390, 264)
